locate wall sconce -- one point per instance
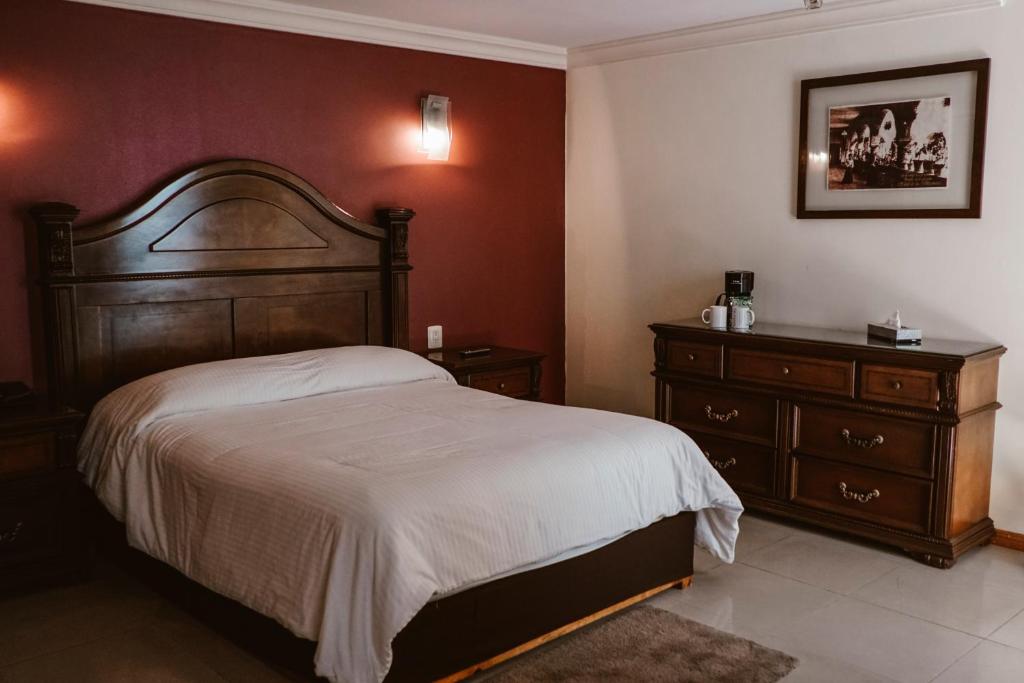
(436, 137)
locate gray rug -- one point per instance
(647, 644)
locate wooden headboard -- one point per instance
(234, 258)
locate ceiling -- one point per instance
(562, 23)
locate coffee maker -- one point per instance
(739, 287)
(739, 291)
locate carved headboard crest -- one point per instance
(234, 258)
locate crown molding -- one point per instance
(834, 15)
(282, 16)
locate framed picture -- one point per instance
(905, 143)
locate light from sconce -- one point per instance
(436, 137)
(16, 126)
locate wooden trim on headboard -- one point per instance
(397, 222)
(233, 258)
(54, 224)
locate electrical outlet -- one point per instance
(434, 337)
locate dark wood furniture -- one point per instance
(526, 608)
(242, 258)
(453, 638)
(40, 533)
(831, 428)
(509, 372)
(233, 259)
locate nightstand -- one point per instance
(41, 536)
(509, 372)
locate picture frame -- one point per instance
(899, 143)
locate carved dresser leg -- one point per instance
(934, 560)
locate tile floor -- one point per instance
(856, 612)
(850, 612)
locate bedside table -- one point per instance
(509, 372)
(41, 536)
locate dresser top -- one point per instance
(767, 330)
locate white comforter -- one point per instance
(339, 491)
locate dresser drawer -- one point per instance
(890, 499)
(694, 358)
(905, 386)
(29, 522)
(747, 467)
(27, 454)
(514, 382)
(899, 445)
(798, 372)
(728, 413)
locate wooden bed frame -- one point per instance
(242, 258)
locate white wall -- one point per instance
(682, 166)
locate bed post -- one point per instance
(56, 264)
(396, 220)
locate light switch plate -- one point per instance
(434, 337)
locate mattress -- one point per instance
(339, 491)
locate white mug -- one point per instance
(716, 316)
(742, 318)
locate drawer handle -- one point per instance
(897, 385)
(10, 536)
(720, 417)
(849, 494)
(501, 386)
(720, 464)
(861, 442)
(691, 356)
(785, 370)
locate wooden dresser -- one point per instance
(829, 428)
(509, 372)
(40, 532)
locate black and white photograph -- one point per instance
(900, 143)
(892, 145)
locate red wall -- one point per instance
(98, 106)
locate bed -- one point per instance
(259, 425)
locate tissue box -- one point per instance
(898, 335)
